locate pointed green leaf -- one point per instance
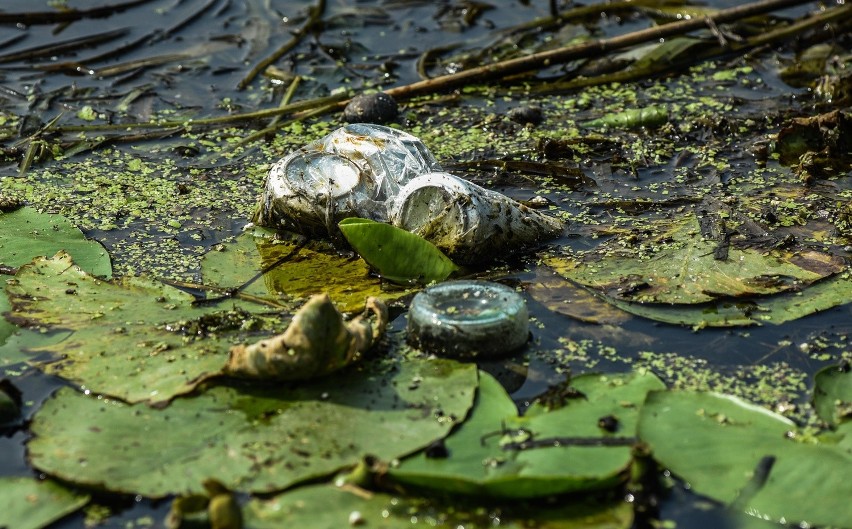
(397, 255)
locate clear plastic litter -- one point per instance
(386, 175)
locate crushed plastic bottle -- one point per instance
(386, 175)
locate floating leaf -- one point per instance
(742, 455)
(397, 255)
(567, 452)
(634, 118)
(326, 506)
(776, 310)
(28, 503)
(250, 437)
(680, 268)
(313, 267)
(134, 339)
(833, 394)
(25, 233)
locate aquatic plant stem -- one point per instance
(599, 47)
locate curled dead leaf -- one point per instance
(316, 343)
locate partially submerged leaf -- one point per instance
(327, 506)
(134, 339)
(303, 268)
(29, 503)
(249, 437)
(742, 455)
(396, 254)
(497, 454)
(680, 266)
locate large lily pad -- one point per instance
(681, 267)
(326, 506)
(135, 339)
(256, 438)
(24, 234)
(742, 455)
(304, 268)
(27, 503)
(486, 459)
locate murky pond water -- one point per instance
(178, 60)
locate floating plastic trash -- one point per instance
(468, 319)
(386, 175)
(466, 221)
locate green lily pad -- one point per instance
(312, 267)
(327, 506)
(680, 268)
(396, 254)
(28, 503)
(742, 455)
(134, 339)
(781, 308)
(487, 456)
(25, 233)
(833, 394)
(251, 437)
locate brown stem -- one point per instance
(67, 15)
(565, 54)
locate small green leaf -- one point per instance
(397, 255)
(833, 394)
(29, 503)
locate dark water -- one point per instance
(192, 54)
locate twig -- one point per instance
(67, 15)
(562, 55)
(68, 45)
(763, 39)
(314, 17)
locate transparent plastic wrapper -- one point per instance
(468, 222)
(349, 173)
(385, 175)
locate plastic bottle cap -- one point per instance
(468, 319)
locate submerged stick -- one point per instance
(67, 14)
(565, 54)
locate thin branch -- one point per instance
(68, 45)
(565, 54)
(313, 19)
(66, 15)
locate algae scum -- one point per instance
(689, 356)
